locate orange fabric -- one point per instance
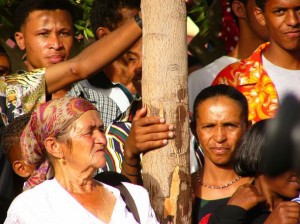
(249, 77)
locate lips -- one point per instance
(219, 150)
(293, 33)
(56, 58)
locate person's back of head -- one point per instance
(108, 13)
(28, 6)
(248, 157)
(222, 90)
(10, 143)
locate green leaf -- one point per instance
(89, 32)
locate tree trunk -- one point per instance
(166, 171)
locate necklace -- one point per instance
(216, 187)
(102, 196)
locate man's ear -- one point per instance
(259, 15)
(102, 32)
(239, 9)
(22, 169)
(19, 36)
(53, 147)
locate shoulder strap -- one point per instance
(130, 204)
(115, 179)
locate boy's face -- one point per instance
(47, 37)
(282, 18)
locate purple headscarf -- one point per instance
(47, 120)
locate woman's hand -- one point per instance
(286, 212)
(246, 197)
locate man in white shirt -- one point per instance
(252, 34)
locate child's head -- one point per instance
(11, 146)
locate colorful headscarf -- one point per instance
(48, 119)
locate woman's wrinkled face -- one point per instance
(88, 143)
(286, 185)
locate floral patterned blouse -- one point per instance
(20, 93)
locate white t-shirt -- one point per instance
(203, 77)
(285, 80)
(50, 203)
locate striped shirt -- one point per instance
(116, 135)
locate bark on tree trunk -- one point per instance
(166, 171)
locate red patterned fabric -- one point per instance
(230, 32)
(48, 119)
(205, 219)
(250, 78)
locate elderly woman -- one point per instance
(65, 138)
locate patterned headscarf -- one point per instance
(48, 119)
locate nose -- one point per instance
(293, 18)
(55, 42)
(100, 138)
(219, 134)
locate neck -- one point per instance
(117, 73)
(74, 180)
(248, 42)
(291, 58)
(262, 187)
(217, 175)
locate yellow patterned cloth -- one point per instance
(250, 78)
(20, 93)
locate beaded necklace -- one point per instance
(216, 187)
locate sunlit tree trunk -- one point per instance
(164, 88)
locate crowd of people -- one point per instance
(73, 130)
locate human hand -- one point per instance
(146, 133)
(286, 212)
(246, 197)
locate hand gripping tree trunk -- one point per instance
(166, 171)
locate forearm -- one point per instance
(93, 58)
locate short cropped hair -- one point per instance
(222, 90)
(28, 6)
(107, 13)
(11, 134)
(261, 4)
(249, 153)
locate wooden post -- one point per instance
(166, 171)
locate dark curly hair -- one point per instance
(107, 13)
(11, 134)
(28, 6)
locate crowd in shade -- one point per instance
(74, 129)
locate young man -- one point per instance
(273, 69)
(220, 118)
(251, 35)
(47, 37)
(113, 81)
(20, 93)
(134, 132)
